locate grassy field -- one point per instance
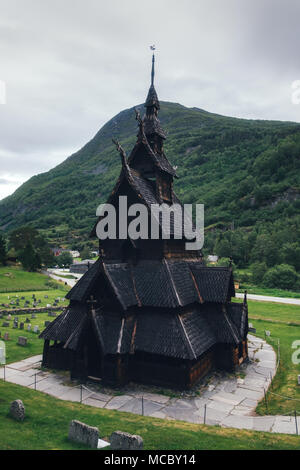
(15, 279)
(34, 346)
(47, 421)
(274, 312)
(283, 321)
(40, 295)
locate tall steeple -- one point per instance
(153, 129)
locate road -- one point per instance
(267, 298)
(56, 274)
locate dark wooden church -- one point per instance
(148, 311)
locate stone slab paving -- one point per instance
(226, 401)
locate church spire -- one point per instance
(152, 71)
(151, 121)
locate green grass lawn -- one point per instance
(47, 421)
(283, 321)
(15, 279)
(40, 295)
(274, 312)
(34, 346)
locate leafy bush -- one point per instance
(258, 270)
(282, 276)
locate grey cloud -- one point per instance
(71, 65)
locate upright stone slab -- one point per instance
(17, 410)
(124, 441)
(21, 326)
(83, 434)
(6, 336)
(5, 324)
(22, 341)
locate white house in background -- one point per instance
(94, 253)
(75, 254)
(212, 258)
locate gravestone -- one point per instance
(21, 326)
(29, 327)
(9, 317)
(36, 329)
(84, 434)
(51, 314)
(48, 305)
(5, 324)
(22, 341)
(17, 410)
(47, 323)
(33, 315)
(298, 379)
(27, 320)
(268, 333)
(252, 329)
(6, 336)
(15, 325)
(124, 441)
(2, 355)
(45, 296)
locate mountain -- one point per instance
(246, 172)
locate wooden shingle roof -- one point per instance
(166, 283)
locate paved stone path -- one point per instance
(230, 401)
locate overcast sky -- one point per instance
(70, 65)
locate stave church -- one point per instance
(148, 311)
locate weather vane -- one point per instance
(153, 47)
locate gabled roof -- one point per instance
(214, 283)
(83, 287)
(182, 335)
(165, 284)
(159, 160)
(67, 326)
(145, 190)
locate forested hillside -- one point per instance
(246, 172)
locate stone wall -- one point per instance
(24, 311)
